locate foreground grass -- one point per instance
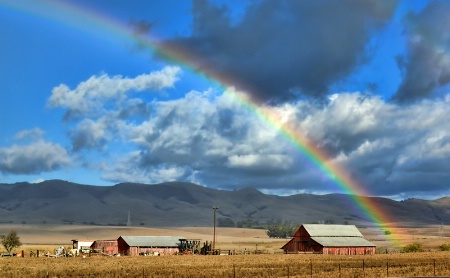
(278, 265)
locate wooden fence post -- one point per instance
(387, 269)
(339, 270)
(434, 267)
(364, 272)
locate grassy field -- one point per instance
(278, 265)
(268, 264)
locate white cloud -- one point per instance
(38, 180)
(125, 169)
(397, 151)
(260, 161)
(35, 133)
(36, 157)
(93, 93)
(209, 138)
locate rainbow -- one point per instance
(321, 160)
(90, 21)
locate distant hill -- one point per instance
(186, 204)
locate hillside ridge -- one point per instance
(187, 204)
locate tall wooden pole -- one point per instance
(214, 232)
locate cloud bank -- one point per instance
(282, 49)
(208, 138)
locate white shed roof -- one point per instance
(326, 230)
(153, 241)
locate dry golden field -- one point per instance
(273, 265)
(268, 264)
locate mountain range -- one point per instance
(186, 204)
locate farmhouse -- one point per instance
(329, 239)
(143, 245)
(81, 246)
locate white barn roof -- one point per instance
(152, 241)
(326, 230)
(343, 242)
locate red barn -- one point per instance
(109, 247)
(149, 245)
(329, 239)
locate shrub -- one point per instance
(444, 247)
(414, 247)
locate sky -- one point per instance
(103, 92)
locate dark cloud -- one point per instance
(134, 108)
(426, 66)
(281, 49)
(89, 135)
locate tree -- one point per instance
(10, 241)
(225, 222)
(279, 230)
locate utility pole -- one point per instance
(214, 233)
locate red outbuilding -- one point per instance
(107, 247)
(149, 245)
(329, 239)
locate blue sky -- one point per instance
(84, 99)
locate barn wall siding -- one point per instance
(349, 250)
(162, 251)
(126, 250)
(109, 247)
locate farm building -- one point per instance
(329, 239)
(81, 246)
(108, 247)
(153, 245)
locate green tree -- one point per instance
(225, 222)
(248, 223)
(10, 241)
(281, 230)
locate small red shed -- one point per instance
(108, 247)
(329, 239)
